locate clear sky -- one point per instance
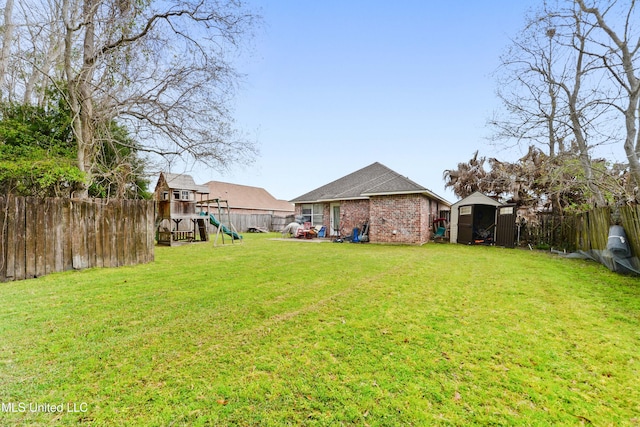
(335, 85)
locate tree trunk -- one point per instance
(632, 140)
(574, 116)
(80, 99)
(7, 39)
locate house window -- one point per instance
(176, 195)
(185, 194)
(312, 212)
(165, 195)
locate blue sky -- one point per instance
(333, 86)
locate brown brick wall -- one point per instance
(400, 219)
(408, 215)
(353, 213)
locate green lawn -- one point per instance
(295, 333)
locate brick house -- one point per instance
(244, 199)
(397, 209)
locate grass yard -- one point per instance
(277, 333)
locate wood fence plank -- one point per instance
(140, 232)
(31, 236)
(127, 244)
(151, 230)
(97, 233)
(67, 236)
(604, 223)
(90, 219)
(35, 212)
(131, 218)
(77, 234)
(105, 227)
(113, 233)
(49, 236)
(20, 254)
(631, 223)
(120, 232)
(101, 224)
(150, 222)
(11, 238)
(57, 233)
(84, 232)
(4, 206)
(134, 213)
(583, 241)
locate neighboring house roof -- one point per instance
(203, 189)
(247, 197)
(373, 180)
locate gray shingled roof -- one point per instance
(375, 179)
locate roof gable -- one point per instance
(375, 179)
(178, 181)
(477, 198)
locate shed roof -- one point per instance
(477, 198)
(373, 180)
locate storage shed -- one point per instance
(479, 219)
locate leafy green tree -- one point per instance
(37, 152)
(38, 156)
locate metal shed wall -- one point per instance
(473, 199)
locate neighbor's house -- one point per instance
(177, 218)
(397, 209)
(252, 208)
(244, 199)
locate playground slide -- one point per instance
(213, 220)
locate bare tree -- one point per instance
(583, 110)
(615, 45)
(162, 69)
(532, 102)
(542, 89)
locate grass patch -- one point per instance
(275, 333)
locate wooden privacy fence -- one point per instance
(585, 231)
(42, 236)
(592, 228)
(630, 221)
(242, 222)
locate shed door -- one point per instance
(506, 226)
(465, 224)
